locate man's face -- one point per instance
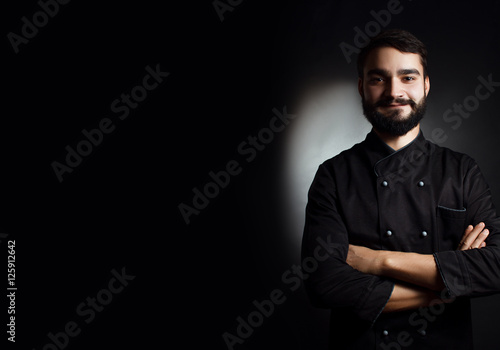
(393, 90)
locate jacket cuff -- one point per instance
(375, 299)
(454, 273)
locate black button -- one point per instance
(424, 233)
(422, 332)
(388, 233)
(386, 333)
(385, 184)
(421, 184)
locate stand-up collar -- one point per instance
(385, 160)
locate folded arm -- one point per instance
(407, 296)
(420, 270)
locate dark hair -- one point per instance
(400, 40)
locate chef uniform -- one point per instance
(417, 199)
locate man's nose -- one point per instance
(394, 89)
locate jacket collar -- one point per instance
(385, 160)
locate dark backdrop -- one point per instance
(119, 209)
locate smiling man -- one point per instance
(411, 226)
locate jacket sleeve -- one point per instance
(333, 283)
(474, 272)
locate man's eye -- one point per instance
(376, 80)
(409, 78)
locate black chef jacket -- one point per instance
(417, 199)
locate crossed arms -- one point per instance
(417, 274)
(368, 282)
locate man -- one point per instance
(409, 227)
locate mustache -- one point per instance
(389, 101)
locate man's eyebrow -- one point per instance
(378, 71)
(386, 73)
(408, 71)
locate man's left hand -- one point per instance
(474, 237)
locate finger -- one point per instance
(467, 232)
(468, 237)
(471, 237)
(480, 239)
(482, 245)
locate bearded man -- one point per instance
(403, 232)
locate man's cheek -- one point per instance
(371, 100)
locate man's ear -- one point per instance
(360, 86)
(427, 85)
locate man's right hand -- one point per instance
(474, 237)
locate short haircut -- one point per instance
(399, 39)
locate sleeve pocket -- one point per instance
(451, 227)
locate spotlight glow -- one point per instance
(330, 120)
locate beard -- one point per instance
(394, 124)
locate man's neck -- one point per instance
(398, 142)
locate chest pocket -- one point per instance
(451, 227)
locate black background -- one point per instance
(119, 208)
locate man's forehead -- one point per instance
(392, 60)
